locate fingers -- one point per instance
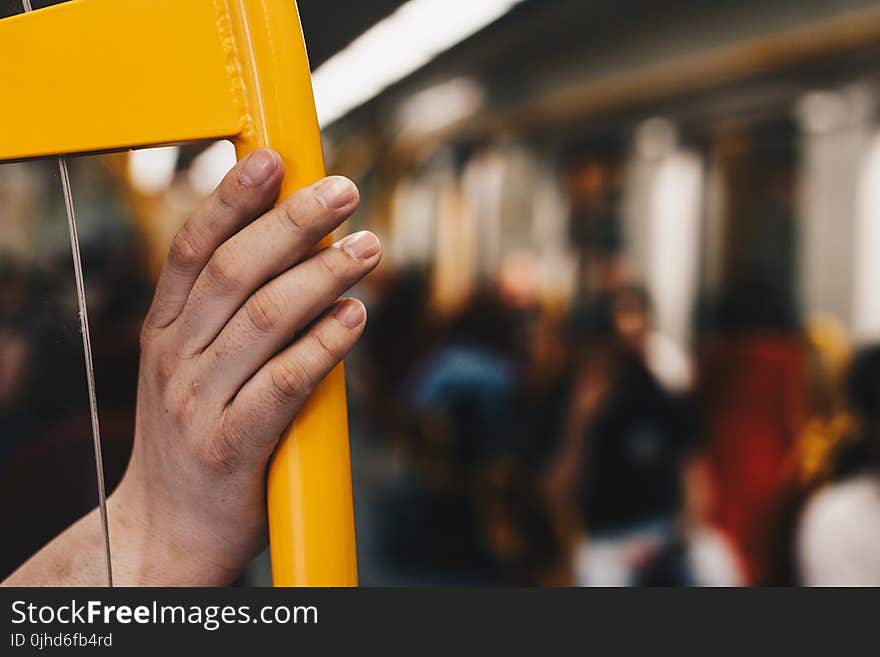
(277, 311)
(269, 401)
(259, 252)
(247, 191)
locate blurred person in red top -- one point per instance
(754, 401)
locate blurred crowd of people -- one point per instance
(521, 446)
(532, 447)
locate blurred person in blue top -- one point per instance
(465, 509)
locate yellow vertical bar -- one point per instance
(311, 518)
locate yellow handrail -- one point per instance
(99, 75)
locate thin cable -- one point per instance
(87, 347)
(87, 353)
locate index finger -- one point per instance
(247, 191)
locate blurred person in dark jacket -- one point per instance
(617, 472)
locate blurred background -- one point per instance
(623, 333)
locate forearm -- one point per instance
(73, 558)
(141, 556)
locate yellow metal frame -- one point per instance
(100, 75)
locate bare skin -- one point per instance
(245, 322)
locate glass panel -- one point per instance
(12, 7)
(47, 471)
(128, 207)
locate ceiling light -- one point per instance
(440, 106)
(395, 47)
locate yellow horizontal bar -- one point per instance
(92, 75)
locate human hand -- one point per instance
(244, 324)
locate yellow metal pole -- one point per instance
(147, 72)
(311, 517)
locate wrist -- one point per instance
(151, 547)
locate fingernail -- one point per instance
(258, 167)
(335, 192)
(350, 313)
(362, 245)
